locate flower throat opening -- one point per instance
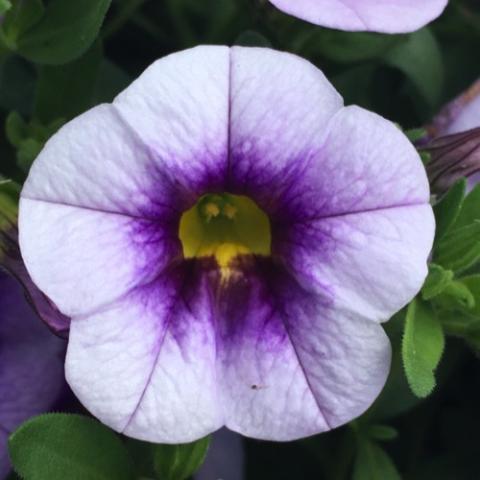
(224, 226)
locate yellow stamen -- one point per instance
(229, 211)
(211, 210)
(224, 227)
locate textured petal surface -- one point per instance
(179, 107)
(148, 147)
(107, 162)
(389, 16)
(31, 363)
(361, 220)
(281, 106)
(292, 365)
(373, 263)
(96, 162)
(354, 171)
(146, 365)
(84, 259)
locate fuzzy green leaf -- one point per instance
(470, 210)
(460, 249)
(437, 280)
(422, 347)
(73, 447)
(472, 282)
(456, 295)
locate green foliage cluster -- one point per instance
(59, 446)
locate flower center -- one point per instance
(224, 226)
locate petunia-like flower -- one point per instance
(227, 238)
(454, 141)
(386, 16)
(31, 364)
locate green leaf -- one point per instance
(20, 18)
(456, 295)
(437, 280)
(459, 249)
(178, 462)
(142, 455)
(425, 157)
(472, 282)
(66, 31)
(420, 59)
(383, 433)
(372, 463)
(470, 210)
(250, 38)
(348, 47)
(422, 347)
(28, 139)
(415, 134)
(73, 447)
(396, 397)
(68, 90)
(16, 129)
(9, 195)
(28, 152)
(448, 208)
(4, 6)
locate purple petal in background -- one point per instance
(454, 142)
(45, 308)
(31, 363)
(225, 459)
(387, 16)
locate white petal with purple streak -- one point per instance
(162, 348)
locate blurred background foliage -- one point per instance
(58, 58)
